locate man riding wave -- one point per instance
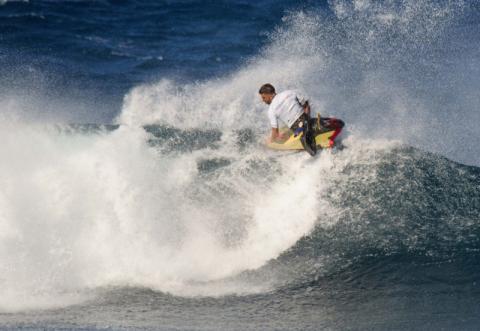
(293, 110)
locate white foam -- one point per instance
(79, 212)
(83, 211)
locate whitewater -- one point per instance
(137, 193)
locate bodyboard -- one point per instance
(324, 137)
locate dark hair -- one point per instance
(267, 89)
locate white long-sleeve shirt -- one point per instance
(286, 107)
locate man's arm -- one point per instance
(276, 136)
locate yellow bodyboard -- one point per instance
(294, 143)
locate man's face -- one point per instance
(267, 98)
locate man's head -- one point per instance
(267, 92)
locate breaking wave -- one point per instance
(181, 196)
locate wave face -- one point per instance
(175, 216)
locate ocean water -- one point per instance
(136, 192)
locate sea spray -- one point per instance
(82, 211)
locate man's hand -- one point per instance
(277, 136)
(283, 136)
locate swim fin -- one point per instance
(308, 139)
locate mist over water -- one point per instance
(171, 200)
(393, 70)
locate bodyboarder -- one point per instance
(293, 110)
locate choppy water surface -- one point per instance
(136, 193)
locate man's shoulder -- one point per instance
(289, 94)
(286, 93)
(282, 96)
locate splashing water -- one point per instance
(83, 210)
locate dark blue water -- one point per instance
(136, 192)
(100, 50)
